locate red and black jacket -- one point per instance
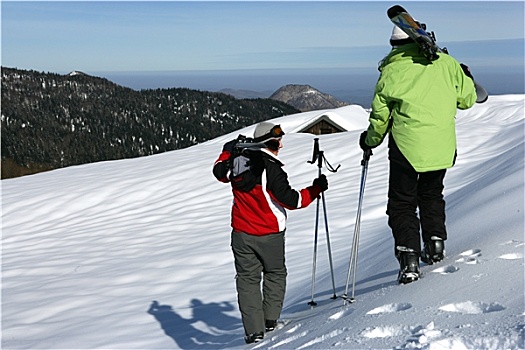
(261, 209)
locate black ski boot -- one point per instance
(254, 337)
(433, 251)
(408, 265)
(270, 325)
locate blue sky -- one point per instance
(174, 35)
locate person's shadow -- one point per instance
(187, 335)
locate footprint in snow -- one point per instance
(382, 332)
(472, 307)
(445, 270)
(470, 256)
(512, 256)
(418, 336)
(513, 242)
(422, 335)
(390, 308)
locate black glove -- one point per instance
(362, 142)
(466, 70)
(322, 182)
(228, 146)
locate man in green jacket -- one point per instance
(415, 102)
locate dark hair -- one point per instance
(402, 42)
(272, 144)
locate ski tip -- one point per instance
(395, 11)
(481, 93)
(482, 100)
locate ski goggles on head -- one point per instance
(275, 133)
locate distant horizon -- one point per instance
(347, 85)
(350, 85)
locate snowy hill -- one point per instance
(134, 254)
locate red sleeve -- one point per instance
(309, 194)
(221, 167)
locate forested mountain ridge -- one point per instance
(51, 121)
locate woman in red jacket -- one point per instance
(258, 218)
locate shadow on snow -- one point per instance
(188, 333)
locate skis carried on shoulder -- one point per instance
(427, 41)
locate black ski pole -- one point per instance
(325, 215)
(315, 157)
(318, 156)
(352, 266)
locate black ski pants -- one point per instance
(259, 258)
(409, 190)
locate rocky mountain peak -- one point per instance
(306, 98)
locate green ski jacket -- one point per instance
(417, 100)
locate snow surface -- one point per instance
(134, 254)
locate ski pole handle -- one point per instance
(366, 156)
(320, 160)
(316, 151)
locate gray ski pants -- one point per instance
(256, 256)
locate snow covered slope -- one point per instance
(134, 254)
